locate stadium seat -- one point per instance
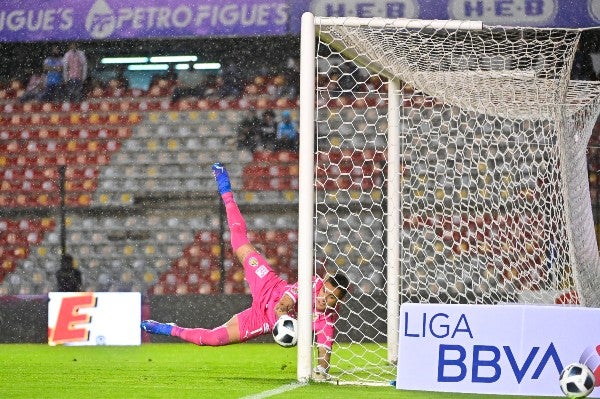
(125, 145)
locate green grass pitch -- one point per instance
(181, 370)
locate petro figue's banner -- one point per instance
(494, 349)
(32, 20)
(94, 318)
(57, 20)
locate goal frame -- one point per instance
(307, 258)
(306, 198)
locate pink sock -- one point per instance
(201, 336)
(236, 222)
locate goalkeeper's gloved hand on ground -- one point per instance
(319, 373)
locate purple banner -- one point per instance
(35, 20)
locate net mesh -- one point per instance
(494, 197)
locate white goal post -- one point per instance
(440, 162)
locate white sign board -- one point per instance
(494, 349)
(94, 318)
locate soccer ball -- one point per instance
(577, 380)
(285, 331)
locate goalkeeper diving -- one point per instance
(272, 297)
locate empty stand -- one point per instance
(120, 146)
(271, 171)
(170, 152)
(34, 144)
(17, 239)
(134, 145)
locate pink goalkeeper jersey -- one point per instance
(323, 322)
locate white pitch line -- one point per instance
(276, 391)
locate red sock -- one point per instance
(236, 222)
(201, 336)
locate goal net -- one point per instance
(440, 162)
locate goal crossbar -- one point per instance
(377, 22)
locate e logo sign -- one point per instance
(70, 321)
(94, 318)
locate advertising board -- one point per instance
(94, 318)
(494, 349)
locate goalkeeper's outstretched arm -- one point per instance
(323, 358)
(321, 370)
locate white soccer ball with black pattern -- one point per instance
(577, 380)
(285, 331)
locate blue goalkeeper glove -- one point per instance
(222, 178)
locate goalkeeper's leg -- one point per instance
(201, 336)
(246, 325)
(223, 335)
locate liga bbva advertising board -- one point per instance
(494, 349)
(94, 318)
